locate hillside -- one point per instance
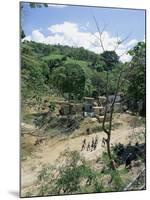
(64, 146)
(39, 61)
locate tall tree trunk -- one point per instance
(108, 131)
(109, 151)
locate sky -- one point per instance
(75, 26)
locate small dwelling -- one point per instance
(88, 107)
(111, 98)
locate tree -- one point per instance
(111, 59)
(34, 73)
(88, 87)
(22, 33)
(54, 63)
(70, 80)
(136, 79)
(98, 63)
(98, 81)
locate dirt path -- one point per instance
(47, 153)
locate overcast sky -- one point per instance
(75, 26)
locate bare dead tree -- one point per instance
(119, 82)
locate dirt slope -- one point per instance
(47, 152)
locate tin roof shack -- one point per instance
(117, 105)
(88, 107)
(63, 107)
(111, 98)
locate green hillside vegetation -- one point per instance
(72, 143)
(58, 57)
(40, 61)
(55, 73)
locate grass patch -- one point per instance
(53, 57)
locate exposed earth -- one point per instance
(35, 157)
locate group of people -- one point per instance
(89, 146)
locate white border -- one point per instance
(9, 99)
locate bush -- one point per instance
(116, 182)
(73, 175)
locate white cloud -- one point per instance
(67, 28)
(124, 57)
(70, 34)
(38, 36)
(132, 43)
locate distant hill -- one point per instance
(39, 61)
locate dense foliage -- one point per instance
(136, 80)
(70, 80)
(42, 63)
(75, 72)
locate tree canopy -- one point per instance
(62, 69)
(136, 79)
(69, 79)
(111, 59)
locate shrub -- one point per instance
(73, 175)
